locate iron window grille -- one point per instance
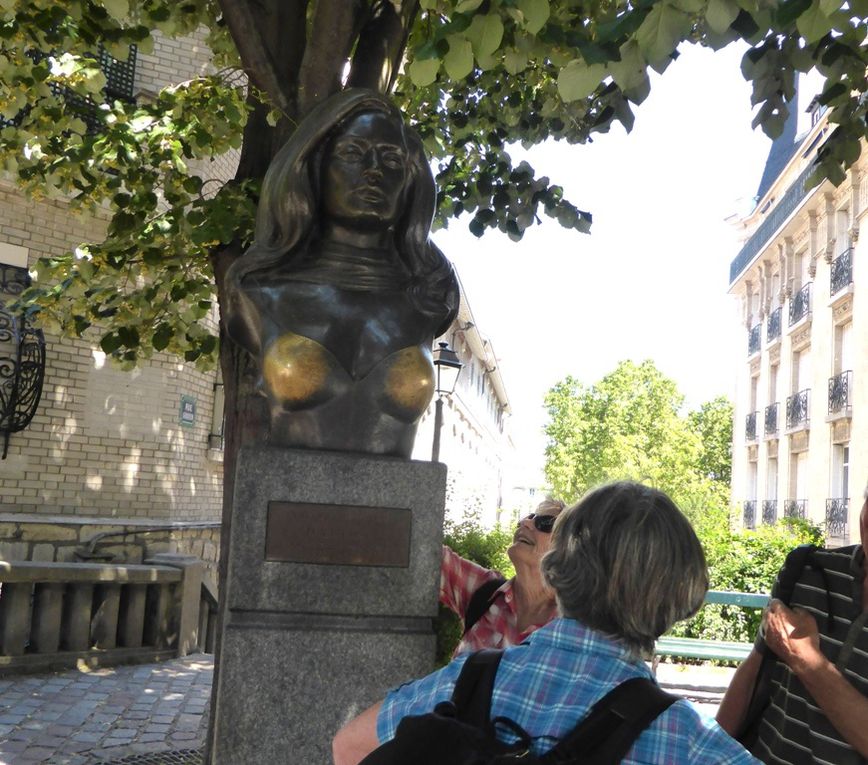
(795, 508)
(840, 387)
(22, 359)
(797, 410)
(773, 327)
(836, 517)
(841, 274)
(749, 513)
(770, 424)
(753, 340)
(800, 304)
(770, 511)
(750, 427)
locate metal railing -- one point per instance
(750, 427)
(800, 304)
(836, 517)
(770, 511)
(797, 410)
(790, 200)
(770, 421)
(57, 615)
(841, 274)
(840, 387)
(773, 326)
(795, 508)
(753, 339)
(748, 508)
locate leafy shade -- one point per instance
(472, 76)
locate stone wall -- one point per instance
(52, 538)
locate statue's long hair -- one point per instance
(288, 206)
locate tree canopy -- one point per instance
(630, 425)
(471, 75)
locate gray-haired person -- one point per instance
(625, 565)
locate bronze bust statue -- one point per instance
(341, 294)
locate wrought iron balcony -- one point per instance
(795, 508)
(797, 410)
(840, 392)
(836, 517)
(749, 513)
(770, 511)
(22, 360)
(842, 272)
(800, 304)
(770, 427)
(750, 427)
(773, 327)
(753, 340)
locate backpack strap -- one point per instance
(795, 563)
(614, 723)
(472, 693)
(480, 602)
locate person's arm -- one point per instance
(793, 635)
(459, 579)
(734, 706)
(358, 738)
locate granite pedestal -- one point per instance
(331, 591)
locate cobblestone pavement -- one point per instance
(104, 715)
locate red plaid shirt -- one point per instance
(498, 626)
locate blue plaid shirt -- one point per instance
(550, 682)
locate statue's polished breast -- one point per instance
(299, 373)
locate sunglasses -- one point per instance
(543, 523)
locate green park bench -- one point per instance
(721, 650)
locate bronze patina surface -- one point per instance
(342, 293)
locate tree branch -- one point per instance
(381, 45)
(256, 58)
(332, 34)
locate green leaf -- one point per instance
(813, 23)
(577, 80)
(536, 14)
(485, 34)
(118, 9)
(162, 336)
(459, 60)
(467, 6)
(689, 6)
(660, 33)
(423, 71)
(721, 14)
(515, 61)
(629, 72)
(110, 342)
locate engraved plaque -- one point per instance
(338, 535)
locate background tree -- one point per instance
(628, 425)
(712, 422)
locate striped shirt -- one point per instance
(498, 626)
(794, 729)
(550, 682)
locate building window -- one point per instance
(773, 327)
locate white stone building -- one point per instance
(800, 443)
(475, 440)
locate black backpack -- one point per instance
(460, 731)
(480, 602)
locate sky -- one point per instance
(650, 281)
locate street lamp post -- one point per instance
(447, 367)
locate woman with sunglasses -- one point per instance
(496, 612)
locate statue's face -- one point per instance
(364, 170)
